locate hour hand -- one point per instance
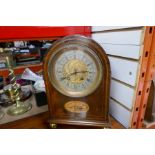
(65, 77)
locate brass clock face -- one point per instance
(75, 71)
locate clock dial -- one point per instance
(75, 72)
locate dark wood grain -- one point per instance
(98, 101)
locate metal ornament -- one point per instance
(76, 107)
(18, 108)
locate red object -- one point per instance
(147, 73)
(20, 69)
(150, 73)
(10, 33)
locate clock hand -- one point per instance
(65, 77)
(78, 72)
(68, 77)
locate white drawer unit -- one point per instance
(124, 47)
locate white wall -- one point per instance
(123, 47)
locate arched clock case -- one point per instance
(77, 80)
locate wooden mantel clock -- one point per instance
(77, 80)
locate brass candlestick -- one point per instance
(19, 107)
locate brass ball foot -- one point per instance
(53, 126)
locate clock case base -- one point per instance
(61, 124)
(98, 101)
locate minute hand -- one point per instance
(77, 72)
(63, 78)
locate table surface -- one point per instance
(34, 111)
(40, 122)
